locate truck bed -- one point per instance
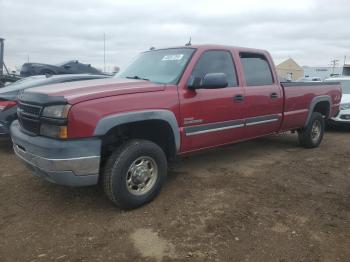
(299, 98)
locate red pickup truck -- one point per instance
(121, 131)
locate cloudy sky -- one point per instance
(313, 32)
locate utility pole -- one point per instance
(1, 56)
(334, 62)
(104, 52)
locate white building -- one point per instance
(322, 71)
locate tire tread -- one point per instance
(113, 161)
(304, 134)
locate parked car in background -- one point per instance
(69, 67)
(8, 94)
(343, 117)
(121, 131)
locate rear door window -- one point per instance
(256, 69)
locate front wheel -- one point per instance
(312, 135)
(134, 173)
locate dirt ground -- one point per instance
(264, 200)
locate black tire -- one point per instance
(309, 137)
(117, 172)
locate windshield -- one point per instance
(64, 63)
(163, 66)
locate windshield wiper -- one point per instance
(137, 77)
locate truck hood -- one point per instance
(75, 92)
(345, 99)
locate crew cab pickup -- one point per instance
(122, 131)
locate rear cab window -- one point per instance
(256, 68)
(215, 61)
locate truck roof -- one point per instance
(213, 46)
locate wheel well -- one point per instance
(157, 131)
(323, 108)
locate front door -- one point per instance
(212, 116)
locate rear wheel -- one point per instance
(312, 135)
(134, 173)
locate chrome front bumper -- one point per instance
(72, 163)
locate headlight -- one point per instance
(58, 111)
(54, 131)
(345, 106)
(54, 121)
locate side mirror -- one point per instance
(67, 67)
(209, 81)
(214, 80)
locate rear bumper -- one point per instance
(71, 163)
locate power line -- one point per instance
(104, 52)
(334, 63)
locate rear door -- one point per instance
(263, 95)
(212, 116)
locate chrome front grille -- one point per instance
(28, 116)
(27, 109)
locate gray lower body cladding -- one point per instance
(66, 162)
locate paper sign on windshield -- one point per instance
(172, 57)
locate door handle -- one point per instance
(238, 98)
(273, 95)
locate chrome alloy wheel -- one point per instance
(142, 175)
(316, 131)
